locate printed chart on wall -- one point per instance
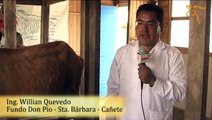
(29, 22)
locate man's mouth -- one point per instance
(144, 36)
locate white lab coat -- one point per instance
(150, 103)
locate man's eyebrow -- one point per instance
(139, 20)
(146, 21)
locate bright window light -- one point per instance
(180, 26)
(179, 8)
(121, 38)
(180, 33)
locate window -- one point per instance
(29, 22)
(113, 35)
(180, 23)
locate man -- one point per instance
(18, 38)
(163, 76)
(2, 40)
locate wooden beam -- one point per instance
(90, 51)
(198, 61)
(10, 23)
(54, 1)
(107, 2)
(44, 35)
(35, 2)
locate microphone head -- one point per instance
(142, 51)
(143, 55)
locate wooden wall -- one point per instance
(75, 20)
(108, 2)
(165, 33)
(74, 24)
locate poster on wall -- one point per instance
(29, 22)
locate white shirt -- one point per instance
(167, 65)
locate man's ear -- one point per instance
(158, 29)
(161, 27)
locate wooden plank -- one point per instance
(74, 32)
(198, 61)
(122, 3)
(10, 23)
(52, 1)
(107, 2)
(74, 25)
(75, 6)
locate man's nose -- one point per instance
(144, 28)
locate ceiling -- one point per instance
(36, 2)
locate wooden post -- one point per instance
(211, 113)
(10, 23)
(198, 60)
(90, 43)
(44, 34)
(74, 24)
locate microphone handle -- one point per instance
(142, 84)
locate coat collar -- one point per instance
(159, 46)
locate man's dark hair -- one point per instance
(152, 8)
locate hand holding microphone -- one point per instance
(144, 72)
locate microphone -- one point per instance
(142, 56)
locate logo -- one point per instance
(193, 9)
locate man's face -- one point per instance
(147, 28)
